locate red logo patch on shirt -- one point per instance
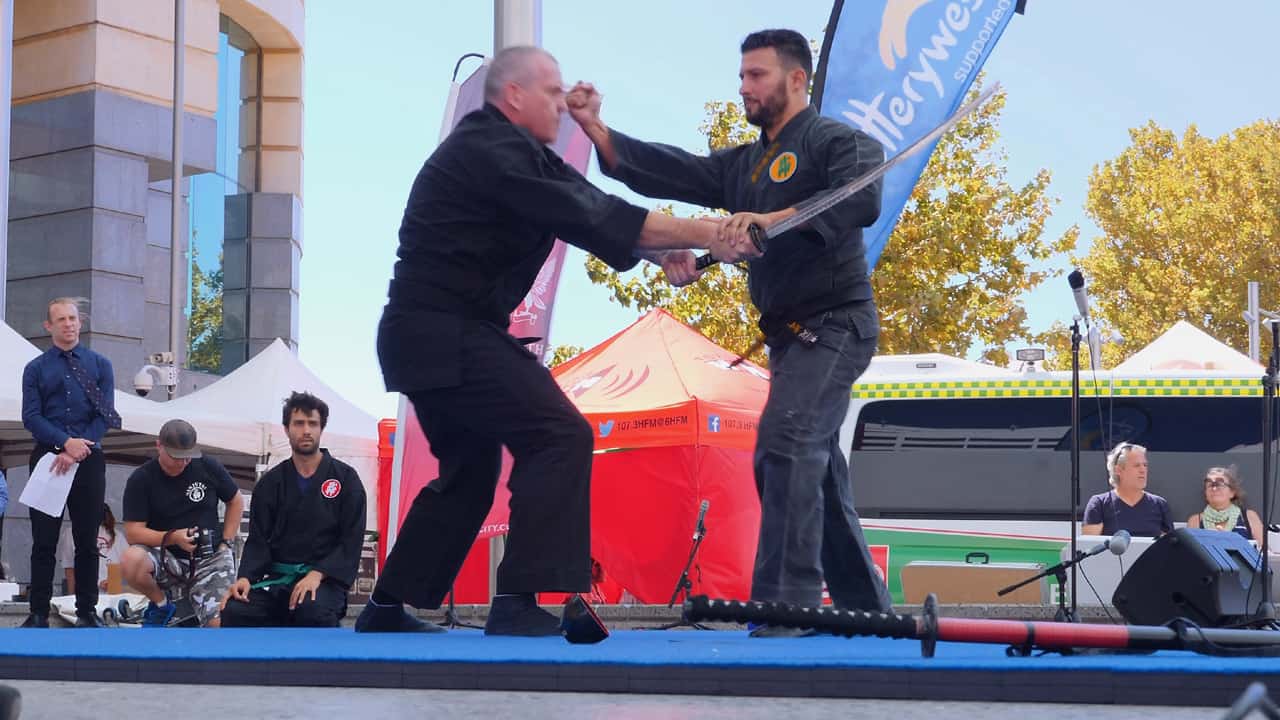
(331, 488)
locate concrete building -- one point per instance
(90, 168)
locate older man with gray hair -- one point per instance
(482, 217)
(1128, 505)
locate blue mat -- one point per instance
(629, 661)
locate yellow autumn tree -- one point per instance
(1187, 223)
(965, 250)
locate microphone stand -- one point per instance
(1063, 614)
(1267, 610)
(451, 619)
(684, 586)
(1059, 572)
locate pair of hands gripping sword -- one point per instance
(738, 236)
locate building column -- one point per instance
(260, 260)
(262, 249)
(90, 145)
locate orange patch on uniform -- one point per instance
(783, 167)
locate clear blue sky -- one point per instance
(1079, 74)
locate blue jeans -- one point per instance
(808, 526)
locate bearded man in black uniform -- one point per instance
(480, 221)
(813, 278)
(306, 530)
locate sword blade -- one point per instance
(859, 183)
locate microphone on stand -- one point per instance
(1076, 280)
(1117, 544)
(684, 584)
(699, 529)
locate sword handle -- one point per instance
(758, 238)
(704, 261)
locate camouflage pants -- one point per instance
(204, 587)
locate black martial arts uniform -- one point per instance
(479, 223)
(317, 522)
(816, 276)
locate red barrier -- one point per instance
(386, 454)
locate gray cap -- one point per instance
(178, 439)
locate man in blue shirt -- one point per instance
(1128, 506)
(68, 405)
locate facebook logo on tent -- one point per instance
(713, 423)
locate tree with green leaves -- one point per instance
(204, 336)
(966, 249)
(1187, 223)
(563, 353)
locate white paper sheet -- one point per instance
(47, 491)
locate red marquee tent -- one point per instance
(675, 425)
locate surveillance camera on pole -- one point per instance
(142, 382)
(160, 369)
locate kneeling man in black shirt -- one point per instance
(306, 527)
(179, 548)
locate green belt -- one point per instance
(285, 574)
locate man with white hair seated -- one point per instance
(1128, 505)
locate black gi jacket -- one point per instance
(480, 221)
(323, 528)
(805, 271)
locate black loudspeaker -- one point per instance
(1209, 577)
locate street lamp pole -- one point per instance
(177, 264)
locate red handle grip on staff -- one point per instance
(758, 239)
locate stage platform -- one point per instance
(631, 661)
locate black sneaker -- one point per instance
(89, 621)
(391, 619)
(520, 616)
(36, 620)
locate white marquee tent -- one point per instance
(132, 444)
(237, 418)
(1186, 347)
(254, 394)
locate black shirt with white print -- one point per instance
(165, 502)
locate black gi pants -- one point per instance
(507, 398)
(269, 607)
(808, 526)
(84, 505)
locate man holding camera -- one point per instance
(179, 548)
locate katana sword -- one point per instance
(761, 236)
(1021, 637)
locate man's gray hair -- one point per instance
(1117, 457)
(513, 64)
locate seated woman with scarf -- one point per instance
(1225, 507)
